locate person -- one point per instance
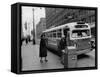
(43, 48)
(63, 46)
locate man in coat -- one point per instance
(63, 45)
(43, 48)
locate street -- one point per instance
(31, 60)
(86, 60)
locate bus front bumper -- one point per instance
(78, 52)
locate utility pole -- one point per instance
(33, 32)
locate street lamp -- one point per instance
(34, 28)
(33, 32)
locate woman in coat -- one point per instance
(43, 49)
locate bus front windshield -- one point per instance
(80, 33)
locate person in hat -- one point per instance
(63, 45)
(43, 48)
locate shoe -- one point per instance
(46, 60)
(41, 61)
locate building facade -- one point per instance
(59, 16)
(41, 26)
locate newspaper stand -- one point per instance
(70, 58)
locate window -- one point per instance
(51, 34)
(48, 34)
(80, 33)
(59, 33)
(81, 26)
(54, 34)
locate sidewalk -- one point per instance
(31, 60)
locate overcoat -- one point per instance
(43, 48)
(62, 43)
(61, 46)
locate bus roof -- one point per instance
(68, 25)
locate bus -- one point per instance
(78, 34)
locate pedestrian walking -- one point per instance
(43, 48)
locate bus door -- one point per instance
(67, 34)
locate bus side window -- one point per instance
(59, 33)
(54, 34)
(47, 34)
(51, 34)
